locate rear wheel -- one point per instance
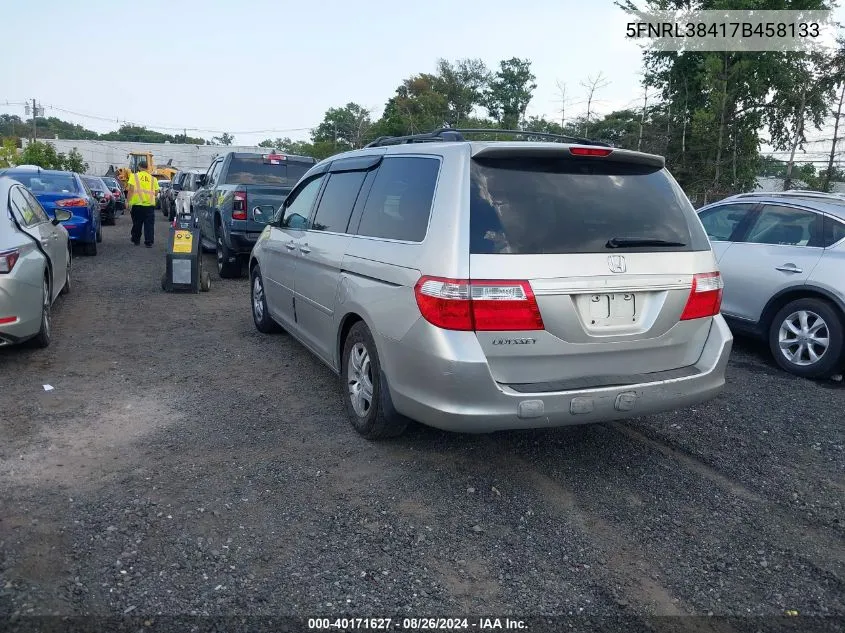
(99, 233)
(364, 387)
(42, 339)
(260, 314)
(806, 338)
(228, 264)
(90, 248)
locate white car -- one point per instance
(190, 183)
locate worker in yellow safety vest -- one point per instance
(141, 200)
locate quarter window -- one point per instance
(399, 203)
(834, 231)
(298, 205)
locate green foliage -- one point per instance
(771, 167)
(8, 153)
(44, 155)
(345, 128)
(73, 162)
(140, 134)
(462, 83)
(509, 92)
(223, 139)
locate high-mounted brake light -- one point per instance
(705, 297)
(478, 305)
(274, 159)
(8, 260)
(589, 151)
(239, 205)
(72, 202)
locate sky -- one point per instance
(271, 68)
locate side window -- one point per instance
(337, 201)
(40, 215)
(399, 204)
(720, 223)
(790, 226)
(834, 231)
(213, 173)
(299, 203)
(24, 210)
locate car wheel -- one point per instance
(90, 248)
(99, 233)
(264, 323)
(225, 267)
(66, 287)
(806, 338)
(42, 339)
(364, 386)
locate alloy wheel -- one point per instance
(803, 338)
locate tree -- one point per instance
(74, 162)
(462, 83)
(223, 139)
(8, 153)
(509, 92)
(418, 106)
(345, 127)
(42, 154)
(592, 85)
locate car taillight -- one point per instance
(239, 206)
(7, 320)
(705, 297)
(589, 151)
(8, 259)
(478, 305)
(72, 202)
(107, 196)
(116, 192)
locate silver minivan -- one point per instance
(478, 286)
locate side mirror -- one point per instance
(296, 222)
(61, 216)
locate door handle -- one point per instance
(304, 248)
(290, 246)
(789, 268)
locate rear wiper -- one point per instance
(634, 242)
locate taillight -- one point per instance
(705, 297)
(7, 320)
(8, 259)
(72, 202)
(239, 206)
(479, 305)
(116, 192)
(589, 151)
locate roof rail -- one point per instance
(455, 134)
(794, 193)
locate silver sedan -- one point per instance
(35, 265)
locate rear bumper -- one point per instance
(242, 242)
(80, 230)
(434, 385)
(23, 301)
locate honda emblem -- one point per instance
(616, 263)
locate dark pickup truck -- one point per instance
(236, 198)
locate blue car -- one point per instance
(64, 190)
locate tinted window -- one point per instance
(35, 206)
(94, 185)
(298, 205)
(399, 203)
(532, 206)
(46, 183)
(256, 170)
(213, 173)
(787, 225)
(337, 201)
(111, 182)
(834, 231)
(721, 222)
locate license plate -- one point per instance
(612, 307)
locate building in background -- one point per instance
(100, 155)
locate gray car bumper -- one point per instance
(451, 394)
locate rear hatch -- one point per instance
(264, 181)
(608, 245)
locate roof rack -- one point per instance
(457, 135)
(793, 193)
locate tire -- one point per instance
(67, 287)
(44, 336)
(264, 323)
(225, 268)
(99, 233)
(361, 372)
(111, 218)
(802, 325)
(90, 248)
(205, 282)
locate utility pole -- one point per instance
(36, 111)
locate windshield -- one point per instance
(111, 182)
(543, 206)
(253, 170)
(95, 184)
(47, 183)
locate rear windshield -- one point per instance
(94, 184)
(111, 182)
(253, 170)
(47, 183)
(553, 206)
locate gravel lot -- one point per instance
(186, 464)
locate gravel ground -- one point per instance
(185, 464)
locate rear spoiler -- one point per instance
(558, 150)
